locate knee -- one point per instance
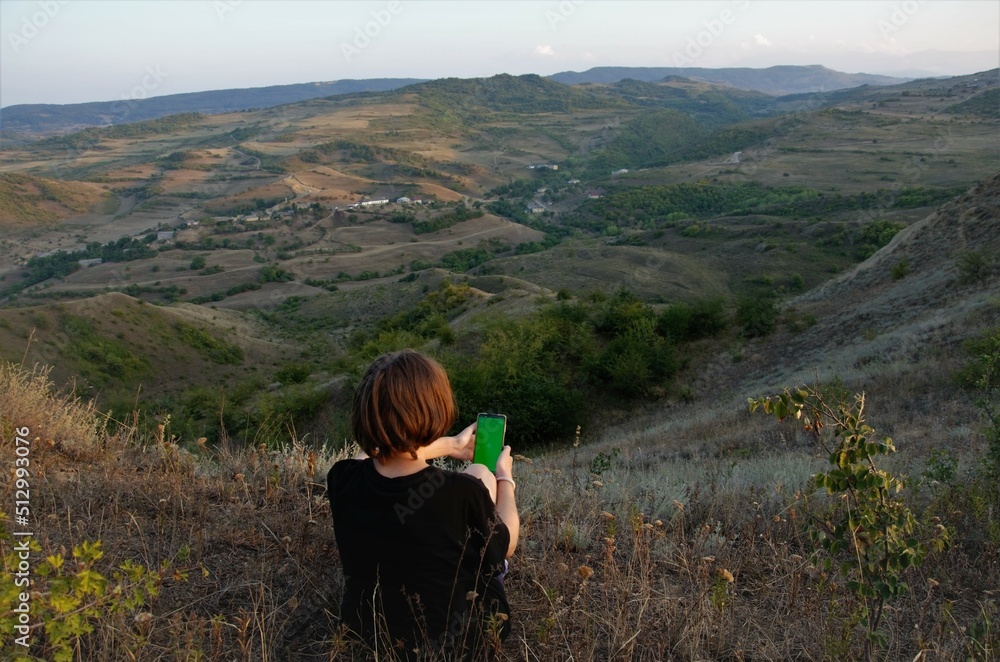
(486, 476)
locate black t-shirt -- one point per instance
(414, 549)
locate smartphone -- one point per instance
(490, 430)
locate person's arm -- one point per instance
(506, 504)
(460, 447)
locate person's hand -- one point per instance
(464, 444)
(505, 464)
(460, 447)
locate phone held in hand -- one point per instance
(490, 431)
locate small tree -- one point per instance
(869, 521)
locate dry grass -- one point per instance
(698, 553)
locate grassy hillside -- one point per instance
(123, 351)
(36, 200)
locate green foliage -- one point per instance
(714, 107)
(644, 204)
(66, 600)
(873, 236)
(545, 370)
(272, 273)
(212, 348)
(429, 318)
(901, 269)
(867, 527)
(680, 322)
(653, 206)
(466, 259)
(197, 262)
(981, 373)
(985, 104)
(523, 369)
(942, 467)
(466, 99)
(457, 215)
(974, 267)
(655, 138)
(99, 358)
(60, 264)
(861, 242)
(604, 461)
(293, 373)
(757, 314)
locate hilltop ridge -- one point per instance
(776, 80)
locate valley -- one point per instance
(263, 213)
(187, 302)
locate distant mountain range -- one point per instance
(778, 81)
(59, 118)
(34, 120)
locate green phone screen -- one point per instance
(490, 429)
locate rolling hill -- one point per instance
(42, 119)
(777, 80)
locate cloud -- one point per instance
(544, 50)
(761, 40)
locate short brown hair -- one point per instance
(404, 402)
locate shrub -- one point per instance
(867, 527)
(293, 373)
(974, 267)
(900, 270)
(702, 319)
(757, 315)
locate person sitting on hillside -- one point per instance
(423, 549)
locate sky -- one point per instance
(72, 51)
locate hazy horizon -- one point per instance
(78, 51)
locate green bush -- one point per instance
(293, 373)
(527, 370)
(757, 315)
(974, 267)
(705, 318)
(217, 351)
